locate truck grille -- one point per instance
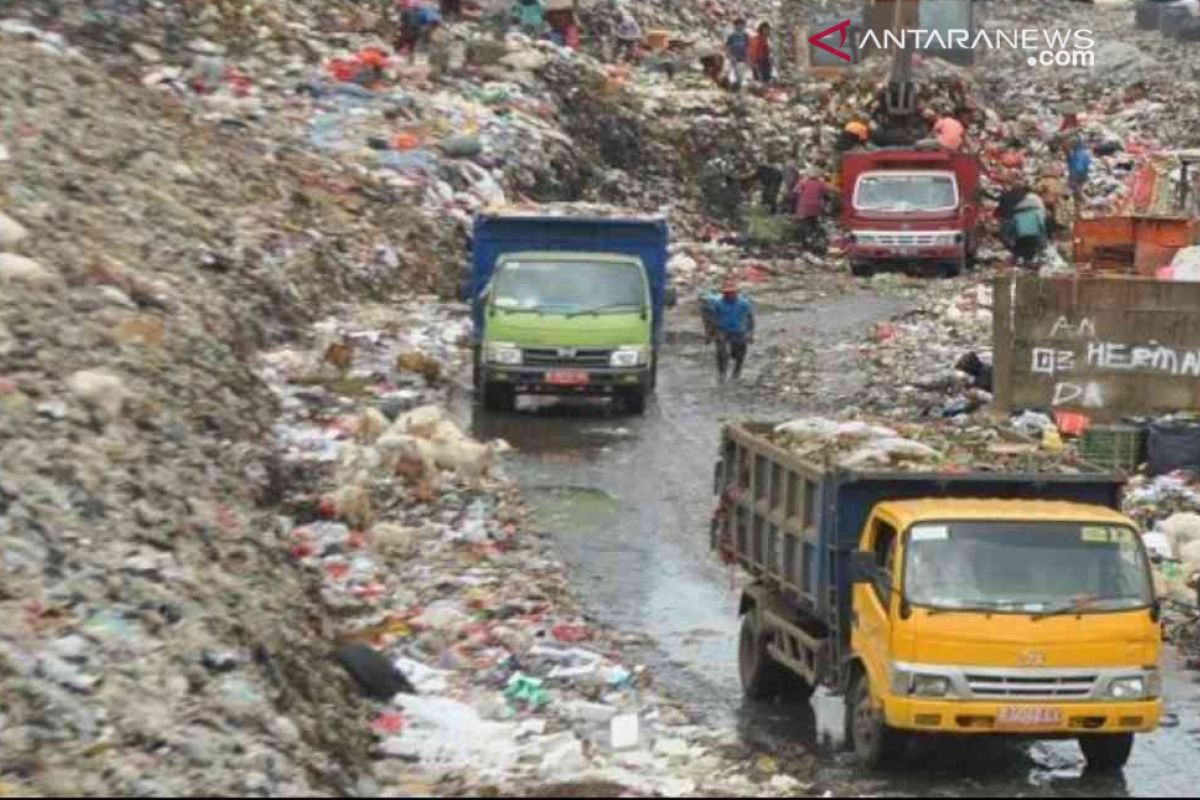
(902, 239)
(1032, 687)
(570, 356)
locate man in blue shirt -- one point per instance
(738, 43)
(1079, 165)
(737, 47)
(730, 320)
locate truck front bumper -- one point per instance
(972, 717)
(535, 380)
(876, 253)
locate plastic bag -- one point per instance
(808, 428)
(1172, 446)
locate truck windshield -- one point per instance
(570, 286)
(1026, 567)
(906, 192)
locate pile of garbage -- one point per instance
(152, 637)
(946, 447)
(911, 359)
(455, 622)
(907, 366)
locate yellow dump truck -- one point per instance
(957, 602)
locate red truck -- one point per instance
(905, 208)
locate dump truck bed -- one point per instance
(790, 521)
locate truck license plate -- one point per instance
(1018, 717)
(567, 377)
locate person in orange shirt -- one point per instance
(949, 132)
(760, 54)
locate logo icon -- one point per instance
(840, 28)
(1032, 658)
(566, 352)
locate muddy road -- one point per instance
(628, 501)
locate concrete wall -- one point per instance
(1107, 347)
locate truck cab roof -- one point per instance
(908, 512)
(569, 255)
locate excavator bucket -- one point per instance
(884, 18)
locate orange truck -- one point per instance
(959, 603)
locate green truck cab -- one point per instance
(567, 306)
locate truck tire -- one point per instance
(875, 744)
(972, 261)
(952, 269)
(635, 400)
(499, 397)
(762, 676)
(1106, 752)
(861, 269)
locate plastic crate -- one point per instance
(1115, 447)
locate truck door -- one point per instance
(873, 602)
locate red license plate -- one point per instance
(567, 377)
(1025, 717)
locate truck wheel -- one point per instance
(499, 397)
(875, 744)
(762, 676)
(972, 260)
(952, 269)
(1106, 752)
(635, 400)
(861, 269)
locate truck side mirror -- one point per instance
(863, 568)
(671, 297)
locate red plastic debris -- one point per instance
(884, 331)
(388, 723)
(1072, 423)
(570, 633)
(327, 508)
(372, 591)
(302, 550)
(755, 273)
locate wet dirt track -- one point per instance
(628, 501)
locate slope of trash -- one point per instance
(154, 638)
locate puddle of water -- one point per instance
(572, 510)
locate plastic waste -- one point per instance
(624, 731)
(525, 690)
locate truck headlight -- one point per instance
(1140, 688)
(628, 356)
(907, 682)
(930, 685)
(503, 353)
